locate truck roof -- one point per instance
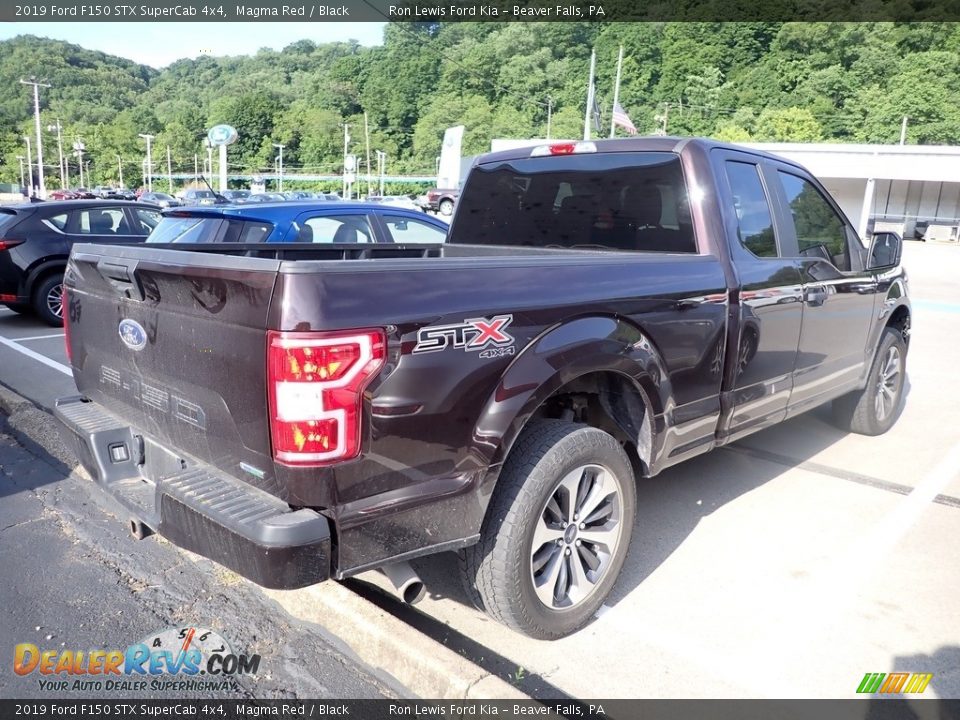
(650, 143)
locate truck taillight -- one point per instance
(315, 384)
(65, 311)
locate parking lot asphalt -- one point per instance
(73, 581)
(787, 565)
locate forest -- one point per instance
(801, 82)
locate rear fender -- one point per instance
(558, 357)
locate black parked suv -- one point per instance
(35, 242)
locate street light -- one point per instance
(21, 159)
(381, 167)
(148, 138)
(209, 146)
(51, 128)
(29, 164)
(78, 148)
(280, 156)
(36, 118)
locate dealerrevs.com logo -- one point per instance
(187, 659)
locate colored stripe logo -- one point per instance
(894, 683)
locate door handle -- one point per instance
(815, 296)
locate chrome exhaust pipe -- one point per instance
(139, 530)
(406, 583)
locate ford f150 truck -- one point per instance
(600, 312)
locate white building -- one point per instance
(895, 185)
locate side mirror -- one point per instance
(400, 224)
(885, 250)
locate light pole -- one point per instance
(148, 138)
(29, 164)
(36, 118)
(280, 174)
(209, 146)
(20, 158)
(381, 167)
(63, 173)
(120, 168)
(169, 173)
(78, 148)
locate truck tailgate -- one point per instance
(173, 343)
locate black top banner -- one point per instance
(431, 11)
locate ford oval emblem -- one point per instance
(133, 334)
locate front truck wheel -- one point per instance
(557, 531)
(873, 410)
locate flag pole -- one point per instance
(616, 92)
(586, 115)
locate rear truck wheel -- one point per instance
(48, 300)
(557, 531)
(446, 207)
(873, 410)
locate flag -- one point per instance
(621, 118)
(597, 121)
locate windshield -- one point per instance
(202, 194)
(616, 201)
(173, 229)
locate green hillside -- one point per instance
(843, 82)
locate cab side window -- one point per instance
(821, 232)
(754, 221)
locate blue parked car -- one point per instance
(316, 221)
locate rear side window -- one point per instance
(174, 229)
(408, 230)
(147, 220)
(616, 201)
(821, 233)
(247, 232)
(58, 221)
(754, 222)
(332, 229)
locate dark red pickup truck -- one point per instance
(600, 312)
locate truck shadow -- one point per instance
(669, 508)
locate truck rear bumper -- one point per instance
(196, 506)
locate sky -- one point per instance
(159, 44)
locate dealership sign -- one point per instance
(222, 135)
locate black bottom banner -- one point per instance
(866, 709)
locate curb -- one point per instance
(38, 426)
(422, 665)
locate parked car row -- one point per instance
(35, 242)
(36, 238)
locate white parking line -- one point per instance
(39, 337)
(36, 356)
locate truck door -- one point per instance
(839, 294)
(763, 349)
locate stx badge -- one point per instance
(488, 335)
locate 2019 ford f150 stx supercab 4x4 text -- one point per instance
(600, 312)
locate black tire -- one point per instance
(446, 208)
(20, 308)
(501, 567)
(862, 411)
(45, 295)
